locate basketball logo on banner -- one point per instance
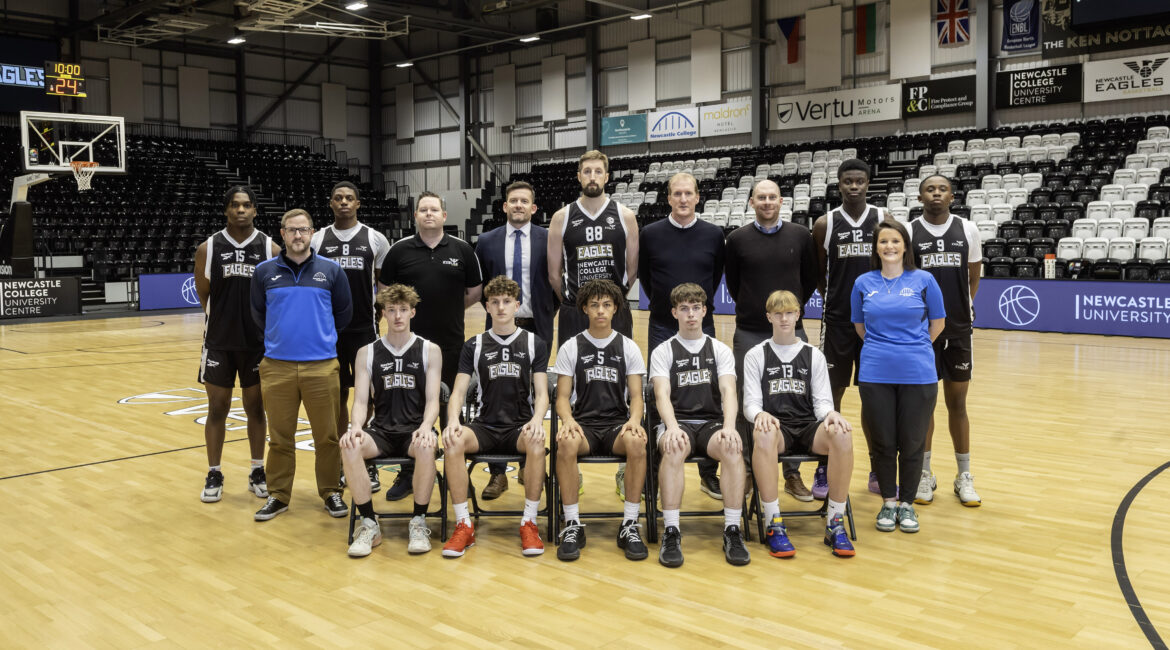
(189, 293)
(1019, 305)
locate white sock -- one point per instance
(214, 468)
(890, 503)
(964, 461)
(257, 462)
(926, 461)
(530, 508)
(572, 513)
(461, 514)
(771, 508)
(369, 522)
(631, 510)
(669, 518)
(905, 504)
(835, 508)
(731, 516)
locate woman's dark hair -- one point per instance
(875, 260)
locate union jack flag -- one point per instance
(952, 22)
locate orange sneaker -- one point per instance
(530, 543)
(462, 539)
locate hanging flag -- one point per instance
(869, 28)
(952, 22)
(790, 28)
(1021, 25)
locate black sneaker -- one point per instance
(709, 485)
(402, 487)
(375, 481)
(271, 508)
(212, 487)
(572, 541)
(733, 548)
(631, 540)
(670, 554)
(335, 506)
(258, 483)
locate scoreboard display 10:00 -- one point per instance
(64, 79)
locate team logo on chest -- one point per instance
(785, 383)
(235, 266)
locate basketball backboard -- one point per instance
(51, 141)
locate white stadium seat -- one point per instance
(1095, 248)
(1017, 154)
(1109, 228)
(1137, 228)
(1158, 132)
(976, 197)
(1147, 146)
(1032, 180)
(1069, 248)
(1050, 139)
(1124, 176)
(1122, 210)
(1152, 248)
(976, 144)
(1136, 192)
(1160, 227)
(1012, 181)
(996, 196)
(1017, 196)
(960, 157)
(896, 200)
(1070, 139)
(1137, 161)
(942, 158)
(1031, 140)
(956, 145)
(981, 212)
(993, 143)
(1159, 160)
(1111, 192)
(987, 229)
(1122, 248)
(1098, 210)
(1001, 212)
(1011, 141)
(900, 214)
(1084, 228)
(992, 182)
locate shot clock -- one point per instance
(64, 79)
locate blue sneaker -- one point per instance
(777, 539)
(836, 538)
(820, 488)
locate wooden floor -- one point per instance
(105, 544)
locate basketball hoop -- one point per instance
(83, 171)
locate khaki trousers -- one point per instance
(285, 385)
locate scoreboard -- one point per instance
(64, 79)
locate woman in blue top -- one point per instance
(898, 311)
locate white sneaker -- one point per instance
(926, 488)
(420, 535)
(965, 488)
(365, 538)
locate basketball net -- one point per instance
(83, 171)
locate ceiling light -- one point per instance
(529, 39)
(405, 65)
(237, 40)
(356, 6)
(640, 17)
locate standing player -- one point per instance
(359, 250)
(948, 248)
(788, 399)
(844, 239)
(510, 365)
(593, 238)
(599, 401)
(232, 342)
(400, 373)
(694, 387)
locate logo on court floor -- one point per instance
(1019, 305)
(188, 291)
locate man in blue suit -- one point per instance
(518, 251)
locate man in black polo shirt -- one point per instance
(445, 272)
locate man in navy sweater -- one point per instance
(301, 301)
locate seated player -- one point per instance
(511, 366)
(401, 372)
(599, 401)
(786, 394)
(694, 388)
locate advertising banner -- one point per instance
(938, 97)
(1074, 306)
(623, 129)
(1127, 78)
(166, 291)
(1058, 84)
(43, 297)
(1059, 39)
(727, 118)
(674, 124)
(870, 104)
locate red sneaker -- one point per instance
(530, 543)
(461, 540)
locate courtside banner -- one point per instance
(166, 291)
(723, 119)
(1074, 306)
(725, 305)
(1058, 84)
(1127, 78)
(43, 297)
(869, 104)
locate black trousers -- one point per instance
(898, 416)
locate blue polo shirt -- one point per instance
(897, 315)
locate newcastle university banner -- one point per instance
(1074, 306)
(1057, 84)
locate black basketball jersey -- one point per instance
(786, 388)
(595, 248)
(946, 257)
(849, 248)
(229, 324)
(694, 382)
(504, 369)
(600, 391)
(356, 256)
(398, 383)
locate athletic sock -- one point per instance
(669, 518)
(215, 468)
(366, 509)
(835, 508)
(257, 462)
(461, 514)
(731, 516)
(890, 503)
(420, 509)
(631, 510)
(964, 461)
(572, 513)
(771, 508)
(926, 461)
(530, 509)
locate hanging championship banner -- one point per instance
(938, 97)
(1021, 25)
(1058, 84)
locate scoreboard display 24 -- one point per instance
(64, 79)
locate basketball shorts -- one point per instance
(699, 433)
(496, 440)
(798, 439)
(952, 358)
(601, 436)
(220, 367)
(348, 344)
(391, 443)
(842, 348)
